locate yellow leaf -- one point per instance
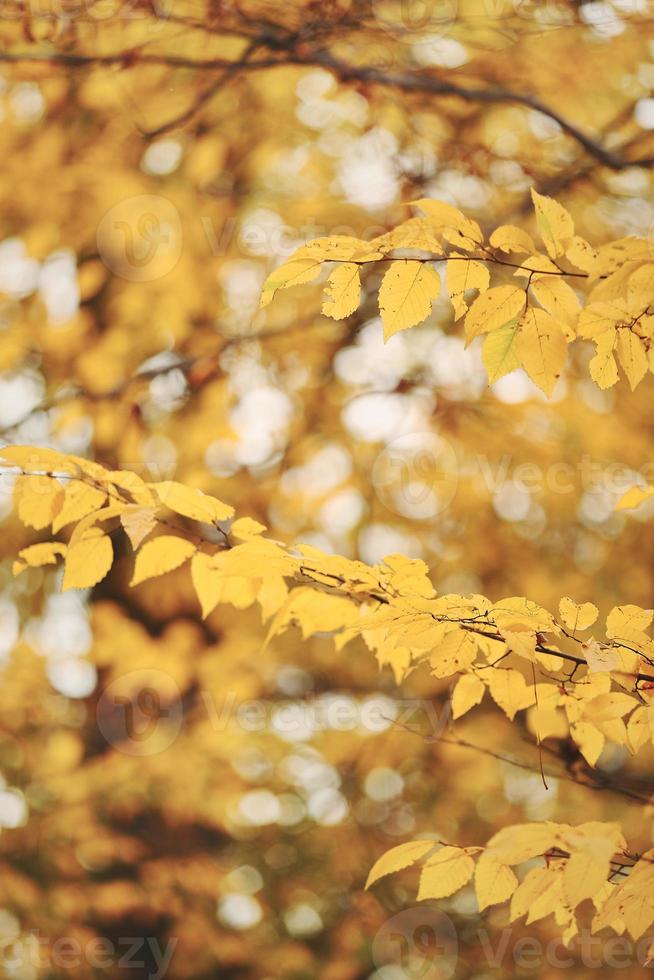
(623, 622)
(539, 895)
(451, 222)
(207, 581)
(131, 482)
(36, 459)
(398, 858)
(79, 499)
(641, 288)
(497, 307)
(161, 555)
(509, 690)
(510, 238)
(294, 272)
(416, 233)
(213, 586)
(517, 611)
(252, 556)
(406, 294)
(272, 595)
(38, 500)
(537, 267)
(542, 348)
(445, 873)
(555, 224)
(343, 291)
(314, 612)
(632, 356)
(558, 298)
(603, 367)
(192, 503)
(339, 248)
(463, 274)
(88, 560)
(246, 528)
(521, 842)
(104, 514)
(634, 497)
(408, 576)
(455, 652)
(137, 523)
(494, 882)
(499, 352)
(577, 617)
(589, 740)
(610, 705)
(37, 555)
(520, 641)
(639, 912)
(586, 871)
(581, 254)
(597, 318)
(468, 692)
(640, 728)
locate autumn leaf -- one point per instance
(406, 294)
(493, 310)
(343, 291)
(494, 882)
(500, 351)
(88, 560)
(161, 555)
(541, 348)
(398, 858)
(577, 617)
(445, 873)
(555, 224)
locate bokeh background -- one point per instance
(170, 779)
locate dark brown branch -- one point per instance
(291, 54)
(203, 97)
(418, 82)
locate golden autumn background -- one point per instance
(174, 780)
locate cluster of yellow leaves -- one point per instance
(591, 694)
(526, 324)
(578, 863)
(489, 647)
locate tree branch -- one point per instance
(296, 54)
